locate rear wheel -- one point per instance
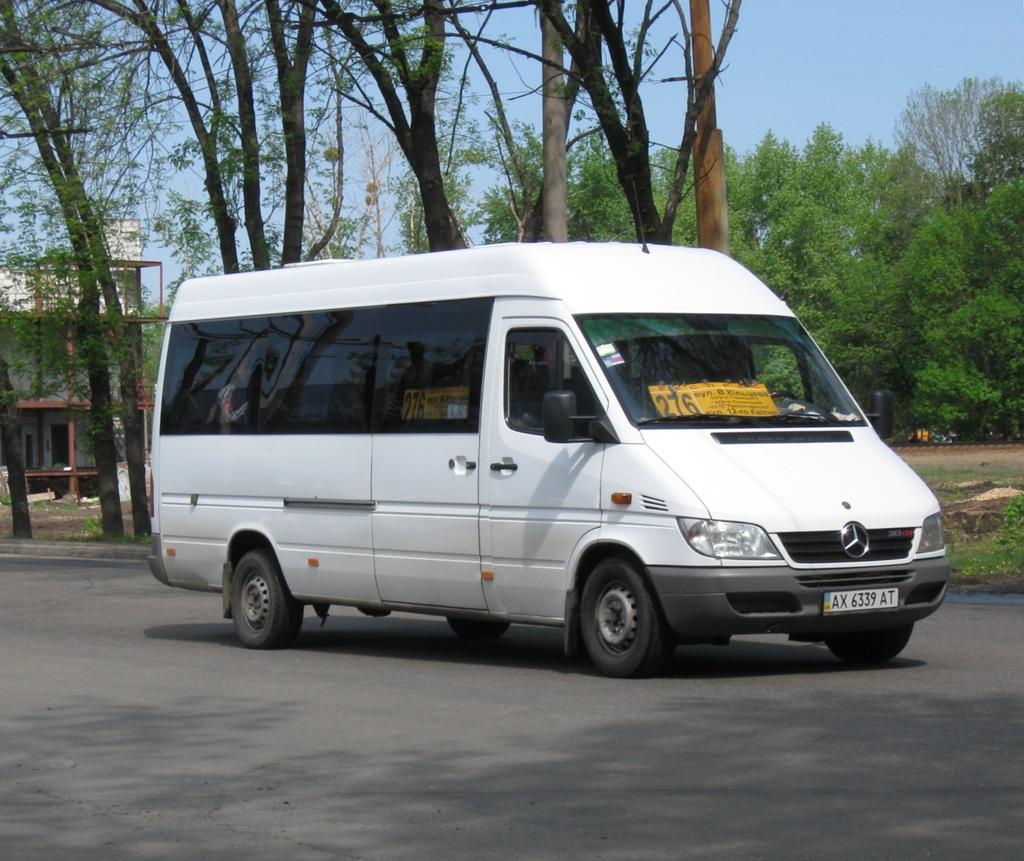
(265, 615)
(621, 624)
(870, 647)
(477, 629)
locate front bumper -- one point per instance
(716, 602)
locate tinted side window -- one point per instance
(539, 361)
(430, 367)
(318, 372)
(213, 377)
(296, 373)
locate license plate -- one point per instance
(859, 599)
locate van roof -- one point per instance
(588, 277)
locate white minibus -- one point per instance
(643, 447)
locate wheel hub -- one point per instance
(617, 617)
(256, 602)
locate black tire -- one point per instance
(621, 625)
(870, 647)
(265, 615)
(477, 629)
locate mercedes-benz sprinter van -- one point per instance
(643, 447)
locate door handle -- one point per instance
(501, 467)
(461, 465)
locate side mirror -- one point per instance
(881, 413)
(561, 422)
(559, 409)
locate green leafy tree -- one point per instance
(999, 159)
(824, 227)
(964, 277)
(74, 110)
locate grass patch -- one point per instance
(984, 557)
(82, 537)
(985, 554)
(942, 479)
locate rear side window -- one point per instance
(319, 376)
(396, 369)
(213, 377)
(430, 367)
(297, 373)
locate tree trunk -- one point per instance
(134, 434)
(252, 196)
(126, 346)
(90, 341)
(11, 437)
(556, 228)
(443, 232)
(291, 84)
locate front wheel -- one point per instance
(621, 624)
(265, 615)
(870, 647)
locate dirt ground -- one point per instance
(973, 483)
(64, 519)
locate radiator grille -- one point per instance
(811, 547)
(847, 579)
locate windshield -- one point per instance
(717, 369)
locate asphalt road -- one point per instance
(132, 724)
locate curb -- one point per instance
(73, 549)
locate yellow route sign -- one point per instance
(694, 399)
(447, 402)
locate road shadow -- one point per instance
(526, 647)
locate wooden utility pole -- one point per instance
(556, 226)
(708, 150)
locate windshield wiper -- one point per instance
(817, 418)
(697, 417)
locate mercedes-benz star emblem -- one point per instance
(854, 538)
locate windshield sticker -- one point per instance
(613, 360)
(447, 402)
(606, 350)
(694, 399)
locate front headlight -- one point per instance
(723, 539)
(931, 534)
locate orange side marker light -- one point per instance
(622, 498)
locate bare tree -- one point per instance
(217, 69)
(943, 129)
(615, 93)
(403, 52)
(525, 192)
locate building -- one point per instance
(57, 455)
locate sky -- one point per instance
(794, 64)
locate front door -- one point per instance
(539, 498)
